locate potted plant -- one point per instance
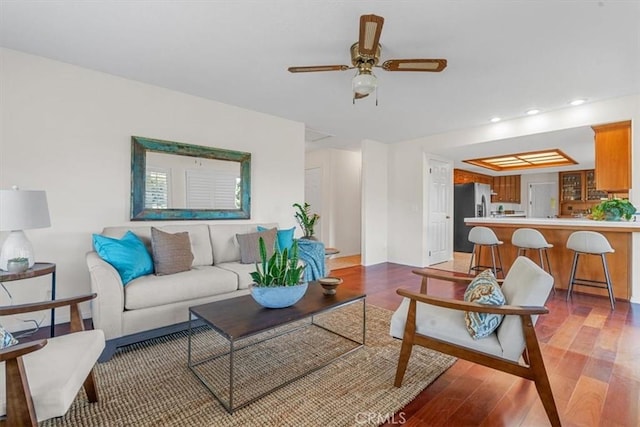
(306, 219)
(613, 210)
(278, 280)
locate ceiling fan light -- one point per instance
(364, 83)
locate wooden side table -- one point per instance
(38, 269)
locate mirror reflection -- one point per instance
(172, 180)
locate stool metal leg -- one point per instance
(608, 279)
(473, 254)
(500, 261)
(540, 256)
(546, 255)
(573, 274)
(493, 263)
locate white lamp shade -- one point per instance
(364, 83)
(23, 210)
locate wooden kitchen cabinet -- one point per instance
(578, 193)
(506, 189)
(461, 176)
(613, 156)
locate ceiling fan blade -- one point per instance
(314, 68)
(433, 65)
(370, 30)
(357, 95)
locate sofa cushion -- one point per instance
(250, 245)
(284, 238)
(224, 242)
(199, 282)
(198, 236)
(171, 252)
(127, 255)
(242, 271)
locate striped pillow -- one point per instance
(6, 339)
(484, 289)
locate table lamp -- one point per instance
(20, 210)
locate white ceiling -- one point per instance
(504, 56)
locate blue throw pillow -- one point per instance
(127, 255)
(285, 238)
(483, 289)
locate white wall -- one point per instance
(406, 188)
(375, 202)
(67, 130)
(340, 212)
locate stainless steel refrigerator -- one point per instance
(469, 201)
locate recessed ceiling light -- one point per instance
(495, 119)
(577, 102)
(533, 111)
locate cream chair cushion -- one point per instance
(526, 284)
(57, 371)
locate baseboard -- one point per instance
(111, 346)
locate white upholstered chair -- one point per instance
(439, 324)
(40, 379)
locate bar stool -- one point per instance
(590, 243)
(483, 236)
(529, 238)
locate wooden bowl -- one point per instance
(329, 284)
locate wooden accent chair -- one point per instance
(439, 324)
(40, 379)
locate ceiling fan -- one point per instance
(365, 55)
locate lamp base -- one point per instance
(16, 248)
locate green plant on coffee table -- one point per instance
(305, 218)
(282, 269)
(613, 209)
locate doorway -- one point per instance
(439, 236)
(542, 200)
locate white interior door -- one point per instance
(542, 200)
(439, 224)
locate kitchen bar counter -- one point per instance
(556, 231)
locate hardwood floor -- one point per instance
(592, 356)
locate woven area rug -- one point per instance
(149, 384)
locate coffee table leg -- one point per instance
(231, 375)
(189, 346)
(364, 320)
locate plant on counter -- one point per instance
(306, 219)
(281, 269)
(613, 210)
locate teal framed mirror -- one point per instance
(176, 181)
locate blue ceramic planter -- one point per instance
(279, 296)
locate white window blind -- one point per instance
(156, 188)
(217, 189)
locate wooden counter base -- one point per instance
(561, 258)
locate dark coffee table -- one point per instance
(235, 325)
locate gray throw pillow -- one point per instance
(171, 252)
(249, 245)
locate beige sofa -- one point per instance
(152, 306)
